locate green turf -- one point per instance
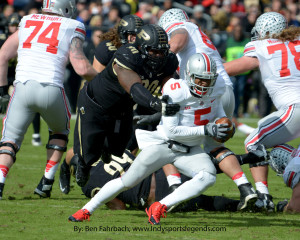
(25, 216)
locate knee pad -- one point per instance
(9, 152)
(57, 147)
(216, 160)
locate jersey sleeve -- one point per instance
(104, 52)
(128, 57)
(79, 31)
(249, 50)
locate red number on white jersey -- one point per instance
(52, 41)
(199, 113)
(285, 71)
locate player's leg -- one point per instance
(36, 137)
(15, 123)
(277, 128)
(195, 164)
(56, 113)
(148, 161)
(65, 171)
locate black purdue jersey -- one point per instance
(102, 173)
(105, 88)
(104, 52)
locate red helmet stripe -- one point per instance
(208, 63)
(47, 4)
(186, 16)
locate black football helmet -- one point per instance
(153, 37)
(129, 24)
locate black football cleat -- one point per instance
(44, 188)
(64, 177)
(248, 197)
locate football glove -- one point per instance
(216, 130)
(167, 109)
(148, 119)
(4, 98)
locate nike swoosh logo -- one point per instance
(212, 101)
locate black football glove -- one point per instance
(164, 107)
(148, 119)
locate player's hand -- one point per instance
(148, 119)
(216, 130)
(4, 98)
(166, 109)
(169, 109)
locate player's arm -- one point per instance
(179, 39)
(79, 61)
(98, 66)
(8, 51)
(241, 65)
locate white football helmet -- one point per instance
(268, 24)
(279, 157)
(201, 65)
(65, 8)
(173, 15)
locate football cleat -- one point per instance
(80, 216)
(1, 190)
(36, 140)
(264, 202)
(44, 188)
(64, 178)
(82, 174)
(155, 211)
(281, 205)
(248, 197)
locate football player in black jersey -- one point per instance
(123, 32)
(105, 104)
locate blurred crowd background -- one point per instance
(228, 23)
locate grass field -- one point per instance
(24, 215)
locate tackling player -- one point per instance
(177, 140)
(105, 105)
(274, 49)
(44, 43)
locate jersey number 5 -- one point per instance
(52, 41)
(284, 72)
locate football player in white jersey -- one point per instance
(274, 49)
(177, 140)
(186, 39)
(44, 44)
(285, 161)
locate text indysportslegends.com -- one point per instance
(149, 229)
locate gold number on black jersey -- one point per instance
(116, 164)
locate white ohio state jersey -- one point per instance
(44, 43)
(187, 126)
(198, 42)
(279, 67)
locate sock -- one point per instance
(189, 189)
(108, 192)
(262, 187)
(51, 168)
(36, 135)
(240, 178)
(174, 179)
(245, 128)
(3, 172)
